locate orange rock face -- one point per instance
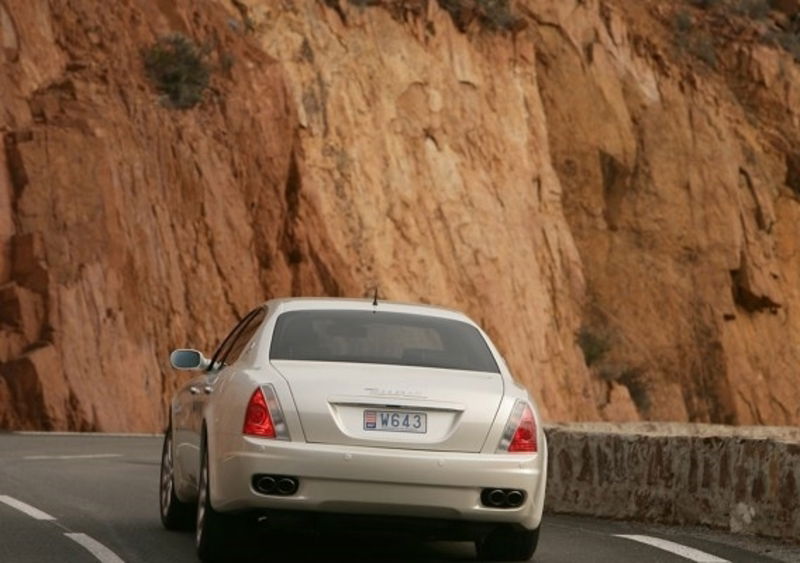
(622, 218)
(128, 228)
(677, 173)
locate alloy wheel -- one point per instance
(166, 477)
(201, 500)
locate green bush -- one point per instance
(756, 9)
(706, 4)
(593, 345)
(180, 70)
(495, 15)
(636, 383)
(788, 41)
(696, 42)
(682, 22)
(702, 47)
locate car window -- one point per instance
(244, 337)
(381, 338)
(220, 356)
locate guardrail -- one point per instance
(745, 479)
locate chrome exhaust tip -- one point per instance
(497, 497)
(515, 498)
(266, 485)
(287, 486)
(503, 498)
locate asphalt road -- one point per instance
(83, 498)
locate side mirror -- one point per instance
(188, 359)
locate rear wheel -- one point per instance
(175, 515)
(508, 544)
(213, 528)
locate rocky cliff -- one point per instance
(610, 188)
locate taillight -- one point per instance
(257, 420)
(264, 416)
(520, 432)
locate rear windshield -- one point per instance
(380, 338)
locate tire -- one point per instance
(212, 533)
(507, 544)
(175, 514)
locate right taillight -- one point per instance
(519, 435)
(264, 416)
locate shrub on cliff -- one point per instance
(756, 9)
(179, 68)
(697, 42)
(593, 344)
(495, 15)
(790, 42)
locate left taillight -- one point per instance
(264, 416)
(519, 435)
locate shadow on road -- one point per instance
(347, 546)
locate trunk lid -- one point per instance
(393, 406)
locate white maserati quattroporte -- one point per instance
(375, 413)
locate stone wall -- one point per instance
(742, 479)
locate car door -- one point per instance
(184, 431)
(201, 387)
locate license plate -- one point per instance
(396, 421)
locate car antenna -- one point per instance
(375, 299)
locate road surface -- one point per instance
(87, 498)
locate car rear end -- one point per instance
(389, 411)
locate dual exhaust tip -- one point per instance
(282, 485)
(502, 498)
(275, 484)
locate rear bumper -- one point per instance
(376, 481)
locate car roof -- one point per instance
(365, 304)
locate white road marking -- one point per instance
(101, 552)
(678, 549)
(31, 511)
(83, 456)
(90, 434)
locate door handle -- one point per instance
(207, 389)
(194, 389)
